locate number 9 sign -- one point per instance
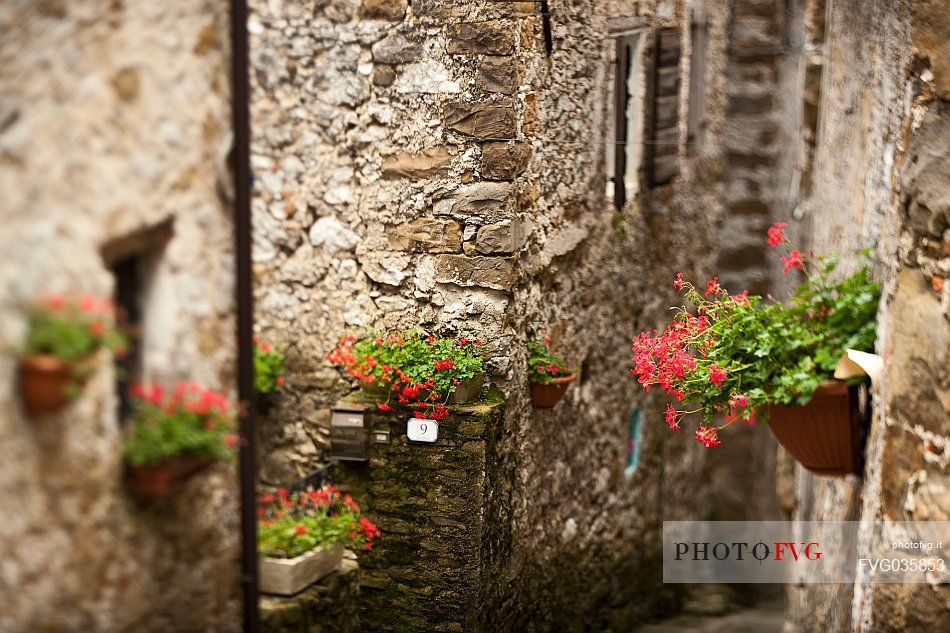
(420, 430)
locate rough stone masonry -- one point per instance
(432, 164)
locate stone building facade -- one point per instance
(114, 132)
(445, 165)
(873, 124)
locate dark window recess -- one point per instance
(132, 261)
(620, 120)
(128, 368)
(696, 123)
(546, 27)
(661, 162)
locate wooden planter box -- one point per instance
(288, 576)
(545, 396)
(826, 436)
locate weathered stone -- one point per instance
(750, 104)
(530, 118)
(930, 24)
(487, 272)
(383, 76)
(494, 120)
(506, 237)
(504, 161)
(919, 365)
(396, 49)
(486, 200)
(435, 161)
(485, 38)
(927, 171)
(426, 77)
(741, 256)
(127, 84)
(333, 235)
(427, 234)
(392, 10)
(497, 74)
(527, 35)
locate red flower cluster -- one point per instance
(369, 531)
(426, 396)
(794, 260)
(706, 435)
(776, 236)
(716, 375)
(187, 396)
(663, 359)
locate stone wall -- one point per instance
(433, 164)
(883, 108)
(328, 606)
(437, 564)
(114, 118)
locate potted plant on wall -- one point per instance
(174, 435)
(63, 337)
(414, 368)
(740, 359)
(548, 375)
(301, 536)
(268, 368)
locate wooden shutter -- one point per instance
(661, 156)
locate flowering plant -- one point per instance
(416, 368)
(189, 421)
(544, 366)
(292, 524)
(268, 367)
(736, 353)
(72, 328)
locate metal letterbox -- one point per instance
(348, 435)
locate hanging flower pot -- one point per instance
(45, 383)
(825, 435)
(548, 374)
(733, 356)
(546, 395)
(161, 478)
(63, 336)
(175, 435)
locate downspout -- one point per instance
(245, 312)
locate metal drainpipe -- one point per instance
(245, 311)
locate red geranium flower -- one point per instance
(706, 435)
(776, 236)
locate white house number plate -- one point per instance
(422, 430)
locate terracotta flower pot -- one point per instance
(45, 381)
(826, 435)
(159, 479)
(545, 396)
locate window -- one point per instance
(133, 261)
(624, 140)
(697, 81)
(661, 160)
